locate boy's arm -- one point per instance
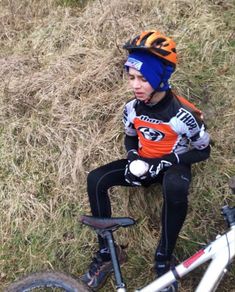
(200, 151)
(131, 143)
(190, 157)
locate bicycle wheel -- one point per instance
(47, 281)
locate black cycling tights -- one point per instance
(175, 184)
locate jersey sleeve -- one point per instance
(191, 119)
(201, 140)
(193, 127)
(131, 142)
(129, 114)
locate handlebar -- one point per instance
(229, 215)
(228, 212)
(232, 184)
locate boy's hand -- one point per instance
(131, 178)
(132, 155)
(155, 167)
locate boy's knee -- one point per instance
(176, 187)
(92, 177)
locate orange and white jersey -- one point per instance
(172, 125)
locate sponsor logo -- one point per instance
(151, 134)
(133, 63)
(147, 119)
(187, 118)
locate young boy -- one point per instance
(165, 131)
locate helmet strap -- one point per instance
(151, 96)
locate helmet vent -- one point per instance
(142, 42)
(159, 41)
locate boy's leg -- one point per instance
(98, 183)
(176, 182)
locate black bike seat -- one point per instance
(106, 223)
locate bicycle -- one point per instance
(221, 251)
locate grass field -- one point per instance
(62, 91)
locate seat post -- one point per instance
(116, 267)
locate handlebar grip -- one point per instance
(229, 215)
(232, 184)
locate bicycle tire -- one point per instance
(47, 280)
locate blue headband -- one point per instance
(152, 68)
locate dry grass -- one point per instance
(62, 90)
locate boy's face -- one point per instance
(140, 86)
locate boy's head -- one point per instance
(154, 55)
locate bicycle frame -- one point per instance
(220, 252)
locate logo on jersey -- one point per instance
(151, 134)
(187, 118)
(150, 120)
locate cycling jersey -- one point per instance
(172, 125)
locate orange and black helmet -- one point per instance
(156, 43)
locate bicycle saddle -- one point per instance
(106, 223)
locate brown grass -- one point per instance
(62, 91)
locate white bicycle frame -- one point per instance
(220, 252)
